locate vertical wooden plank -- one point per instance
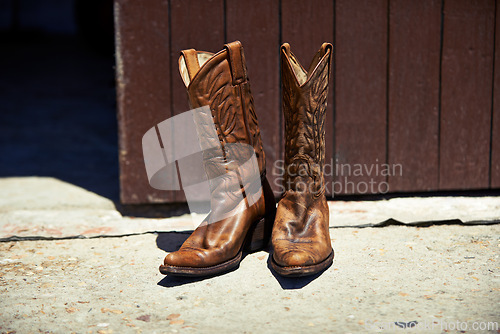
(196, 24)
(143, 84)
(467, 67)
(495, 136)
(256, 25)
(360, 96)
(306, 25)
(414, 59)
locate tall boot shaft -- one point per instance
(220, 81)
(304, 107)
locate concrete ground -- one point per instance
(70, 262)
(441, 277)
(439, 273)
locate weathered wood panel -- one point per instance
(306, 25)
(143, 85)
(256, 25)
(414, 94)
(410, 90)
(495, 137)
(467, 67)
(191, 20)
(360, 94)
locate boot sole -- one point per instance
(299, 271)
(203, 271)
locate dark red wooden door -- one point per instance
(414, 100)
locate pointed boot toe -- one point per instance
(181, 258)
(299, 262)
(195, 263)
(293, 258)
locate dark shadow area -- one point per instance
(171, 241)
(157, 210)
(57, 94)
(58, 113)
(292, 283)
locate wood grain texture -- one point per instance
(361, 95)
(142, 52)
(495, 142)
(467, 65)
(256, 25)
(414, 94)
(386, 107)
(305, 26)
(196, 24)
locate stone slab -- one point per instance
(438, 277)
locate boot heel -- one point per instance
(259, 235)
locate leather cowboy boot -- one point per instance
(242, 212)
(300, 237)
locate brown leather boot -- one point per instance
(242, 212)
(300, 237)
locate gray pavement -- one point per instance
(441, 277)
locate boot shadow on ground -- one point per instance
(163, 210)
(292, 283)
(171, 241)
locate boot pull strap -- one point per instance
(236, 62)
(192, 64)
(325, 47)
(286, 49)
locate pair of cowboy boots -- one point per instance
(243, 214)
